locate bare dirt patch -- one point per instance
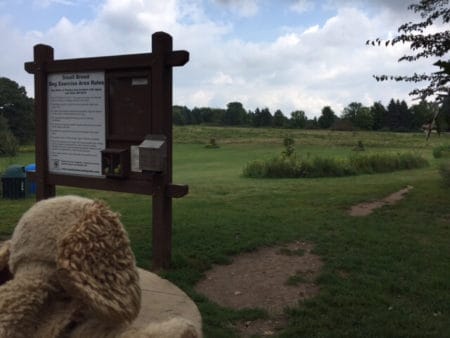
(269, 278)
(366, 208)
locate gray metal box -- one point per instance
(153, 153)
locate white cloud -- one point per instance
(393, 5)
(243, 8)
(304, 69)
(328, 65)
(222, 79)
(200, 98)
(47, 3)
(301, 6)
(312, 29)
(19, 48)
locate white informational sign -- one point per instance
(76, 123)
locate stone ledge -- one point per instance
(162, 300)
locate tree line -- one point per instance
(16, 116)
(396, 116)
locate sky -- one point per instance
(281, 54)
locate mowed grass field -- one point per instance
(385, 275)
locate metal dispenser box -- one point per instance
(153, 153)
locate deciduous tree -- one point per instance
(298, 119)
(445, 114)
(17, 108)
(279, 120)
(428, 38)
(399, 117)
(235, 114)
(422, 113)
(358, 115)
(327, 118)
(379, 115)
(8, 142)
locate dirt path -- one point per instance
(366, 208)
(269, 279)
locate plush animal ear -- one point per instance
(5, 274)
(95, 264)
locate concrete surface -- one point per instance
(161, 301)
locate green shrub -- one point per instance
(441, 151)
(255, 169)
(444, 170)
(212, 144)
(359, 146)
(277, 167)
(362, 163)
(381, 163)
(289, 149)
(280, 167)
(8, 143)
(293, 167)
(329, 167)
(411, 161)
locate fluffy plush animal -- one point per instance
(73, 275)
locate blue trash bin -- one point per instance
(31, 185)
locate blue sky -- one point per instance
(284, 54)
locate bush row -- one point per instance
(444, 170)
(293, 167)
(441, 151)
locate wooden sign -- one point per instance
(92, 116)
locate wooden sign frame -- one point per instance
(154, 117)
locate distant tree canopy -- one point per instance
(262, 118)
(397, 116)
(8, 143)
(379, 116)
(17, 120)
(298, 119)
(427, 38)
(327, 118)
(235, 114)
(358, 115)
(445, 112)
(17, 109)
(279, 120)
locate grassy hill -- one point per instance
(384, 275)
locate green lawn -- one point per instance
(385, 275)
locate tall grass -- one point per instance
(444, 170)
(441, 151)
(302, 137)
(293, 167)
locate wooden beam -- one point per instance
(177, 190)
(143, 187)
(162, 125)
(43, 55)
(144, 60)
(178, 58)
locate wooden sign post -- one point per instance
(106, 123)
